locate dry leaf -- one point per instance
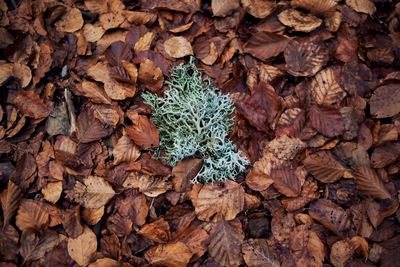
(52, 191)
(384, 101)
(369, 183)
(223, 8)
(299, 21)
(151, 76)
(258, 181)
(89, 128)
(10, 199)
(257, 253)
(144, 42)
(93, 216)
(363, 6)
(143, 132)
(291, 122)
(94, 193)
(264, 45)
(150, 186)
(325, 89)
(315, 6)
(22, 73)
(324, 167)
(178, 47)
(92, 32)
(125, 150)
(71, 21)
(288, 180)
(226, 238)
(219, 201)
(157, 231)
(31, 214)
(327, 121)
(166, 255)
(104, 262)
(184, 172)
(259, 8)
(96, 6)
(94, 92)
(83, 248)
(111, 20)
(305, 58)
(34, 247)
(30, 104)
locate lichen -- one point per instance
(194, 119)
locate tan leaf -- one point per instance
(306, 247)
(111, 20)
(324, 167)
(258, 181)
(342, 251)
(333, 21)
(110, 115)
(32, 214)
(52, 191)
(10, 199)
(268, 73)
(195, 238)
(327, 121)
(223, 8)
(305, 58)
(139, 17)
(31, 105)
(157, 231)
(83, 248)
(71, 21)
(148, 185)
(257, 253)
(330, 215)
(315, 6)
(178, 47)
(151, 75)
(125, 150)
(299, 21)
(94, 193)
(171, 255)
(184, 172)
(259, 8)
(144, 42)
(143, 132)
(219, 201)
(6, 71)
(369, 183)
(97, 6)
(264, 45)
(385, 101)
(92, 32)
(94, 92)
(325, 89)
(22, 73)
(93, 216)
(226, 238)
(362, 6)
(104, 262)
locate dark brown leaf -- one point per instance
(327, 121)
(324, 167)
(90, 129)
(184, 172)
(369, 183)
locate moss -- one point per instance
(194, 120)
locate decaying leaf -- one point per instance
(10, 199)
(369, 183)
(151, 75)
(184, 172)
(219, 201)
(125, 150)
(324, 167)
(315, 6)
(325, 89)
(256, 252)
(83, 248)
(327, 121)
(167, 255)
(259, 8)
(384, 101)
(299, 21)
(363, 6)
(31, 105)
(71, 21)
(52, 191)
(223, 8)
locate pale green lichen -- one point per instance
(194, 120)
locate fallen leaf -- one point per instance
(219, 201)
(10, 199)
(92, 32)
(223, 8)
(325, 89)
(111, 20)
(94, 92)
(257, 252)
(31, 214)
(184, 172)
(52, 191)
(369, 183)
(93, 216)
(143, 132)
(305, 58)
(166, 255)
(226, 238)
(264, 45)
(178, 47)
(83, 248)
(90, 129)
(31, 105)
(22, 73)
(299, 21)
(151, 76)
(71, 21)
(315, 6)
(157, 231)
(289, 180)
(327, 121)
(384, 101)
(34, 247)
(258, 181)
(125, 150)
(104, 262)
(259, 8)
(291, 122)
(96, 6)
(324, 167)
(363, 6)
(150, 186)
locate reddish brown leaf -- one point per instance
(10, 199)
(32, 214)
(324, 167)
(327, 121)
(369, 183)
(157, 231)
(184, 172)
(257, 252)
(384, 101)
(299, 21)
(151, 75)
(289, 180)
(143, 132)
(166, 255)
(90, 129)
(264, 45)
(30, 104)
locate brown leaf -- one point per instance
(166, 255)
(135, 207)
(327, 121)
(226, 238)
(299, 21)
(264, 45)
(32, 214)
(306, 247)
(144, 42)
(219, 201)
(139, 17)
(125, 150)
(195, 238)
(369, 183)
(178, 47)
(384, 101)
(315, 6)
(10, 199)
(150, 186)
(222, 8)
(52, 191)
(151, 76)
(30, 104)
(291, 122)
(92, 32)
(22, 73)
(288, 180)
(71, 222)
(45, 62)
(385, 155)
(157, 231)
(261, 108)
(186, 6)
(324, 167)
(308, 194)
(94, 193)
(89, 128)
(184, 172)
(96, 6)
(9, 244)
(111, 20)
(257, 253)
(258, 181)
(83, 248)
(330, 215)
(71, 21)
(104, 262)
(143, 132)
(92, 216)
(117, 52)
(305, 58)
(34, 247)
(94, 92)
(325, 89)
(362, 6)
(259, 8)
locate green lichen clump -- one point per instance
(194, 119)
